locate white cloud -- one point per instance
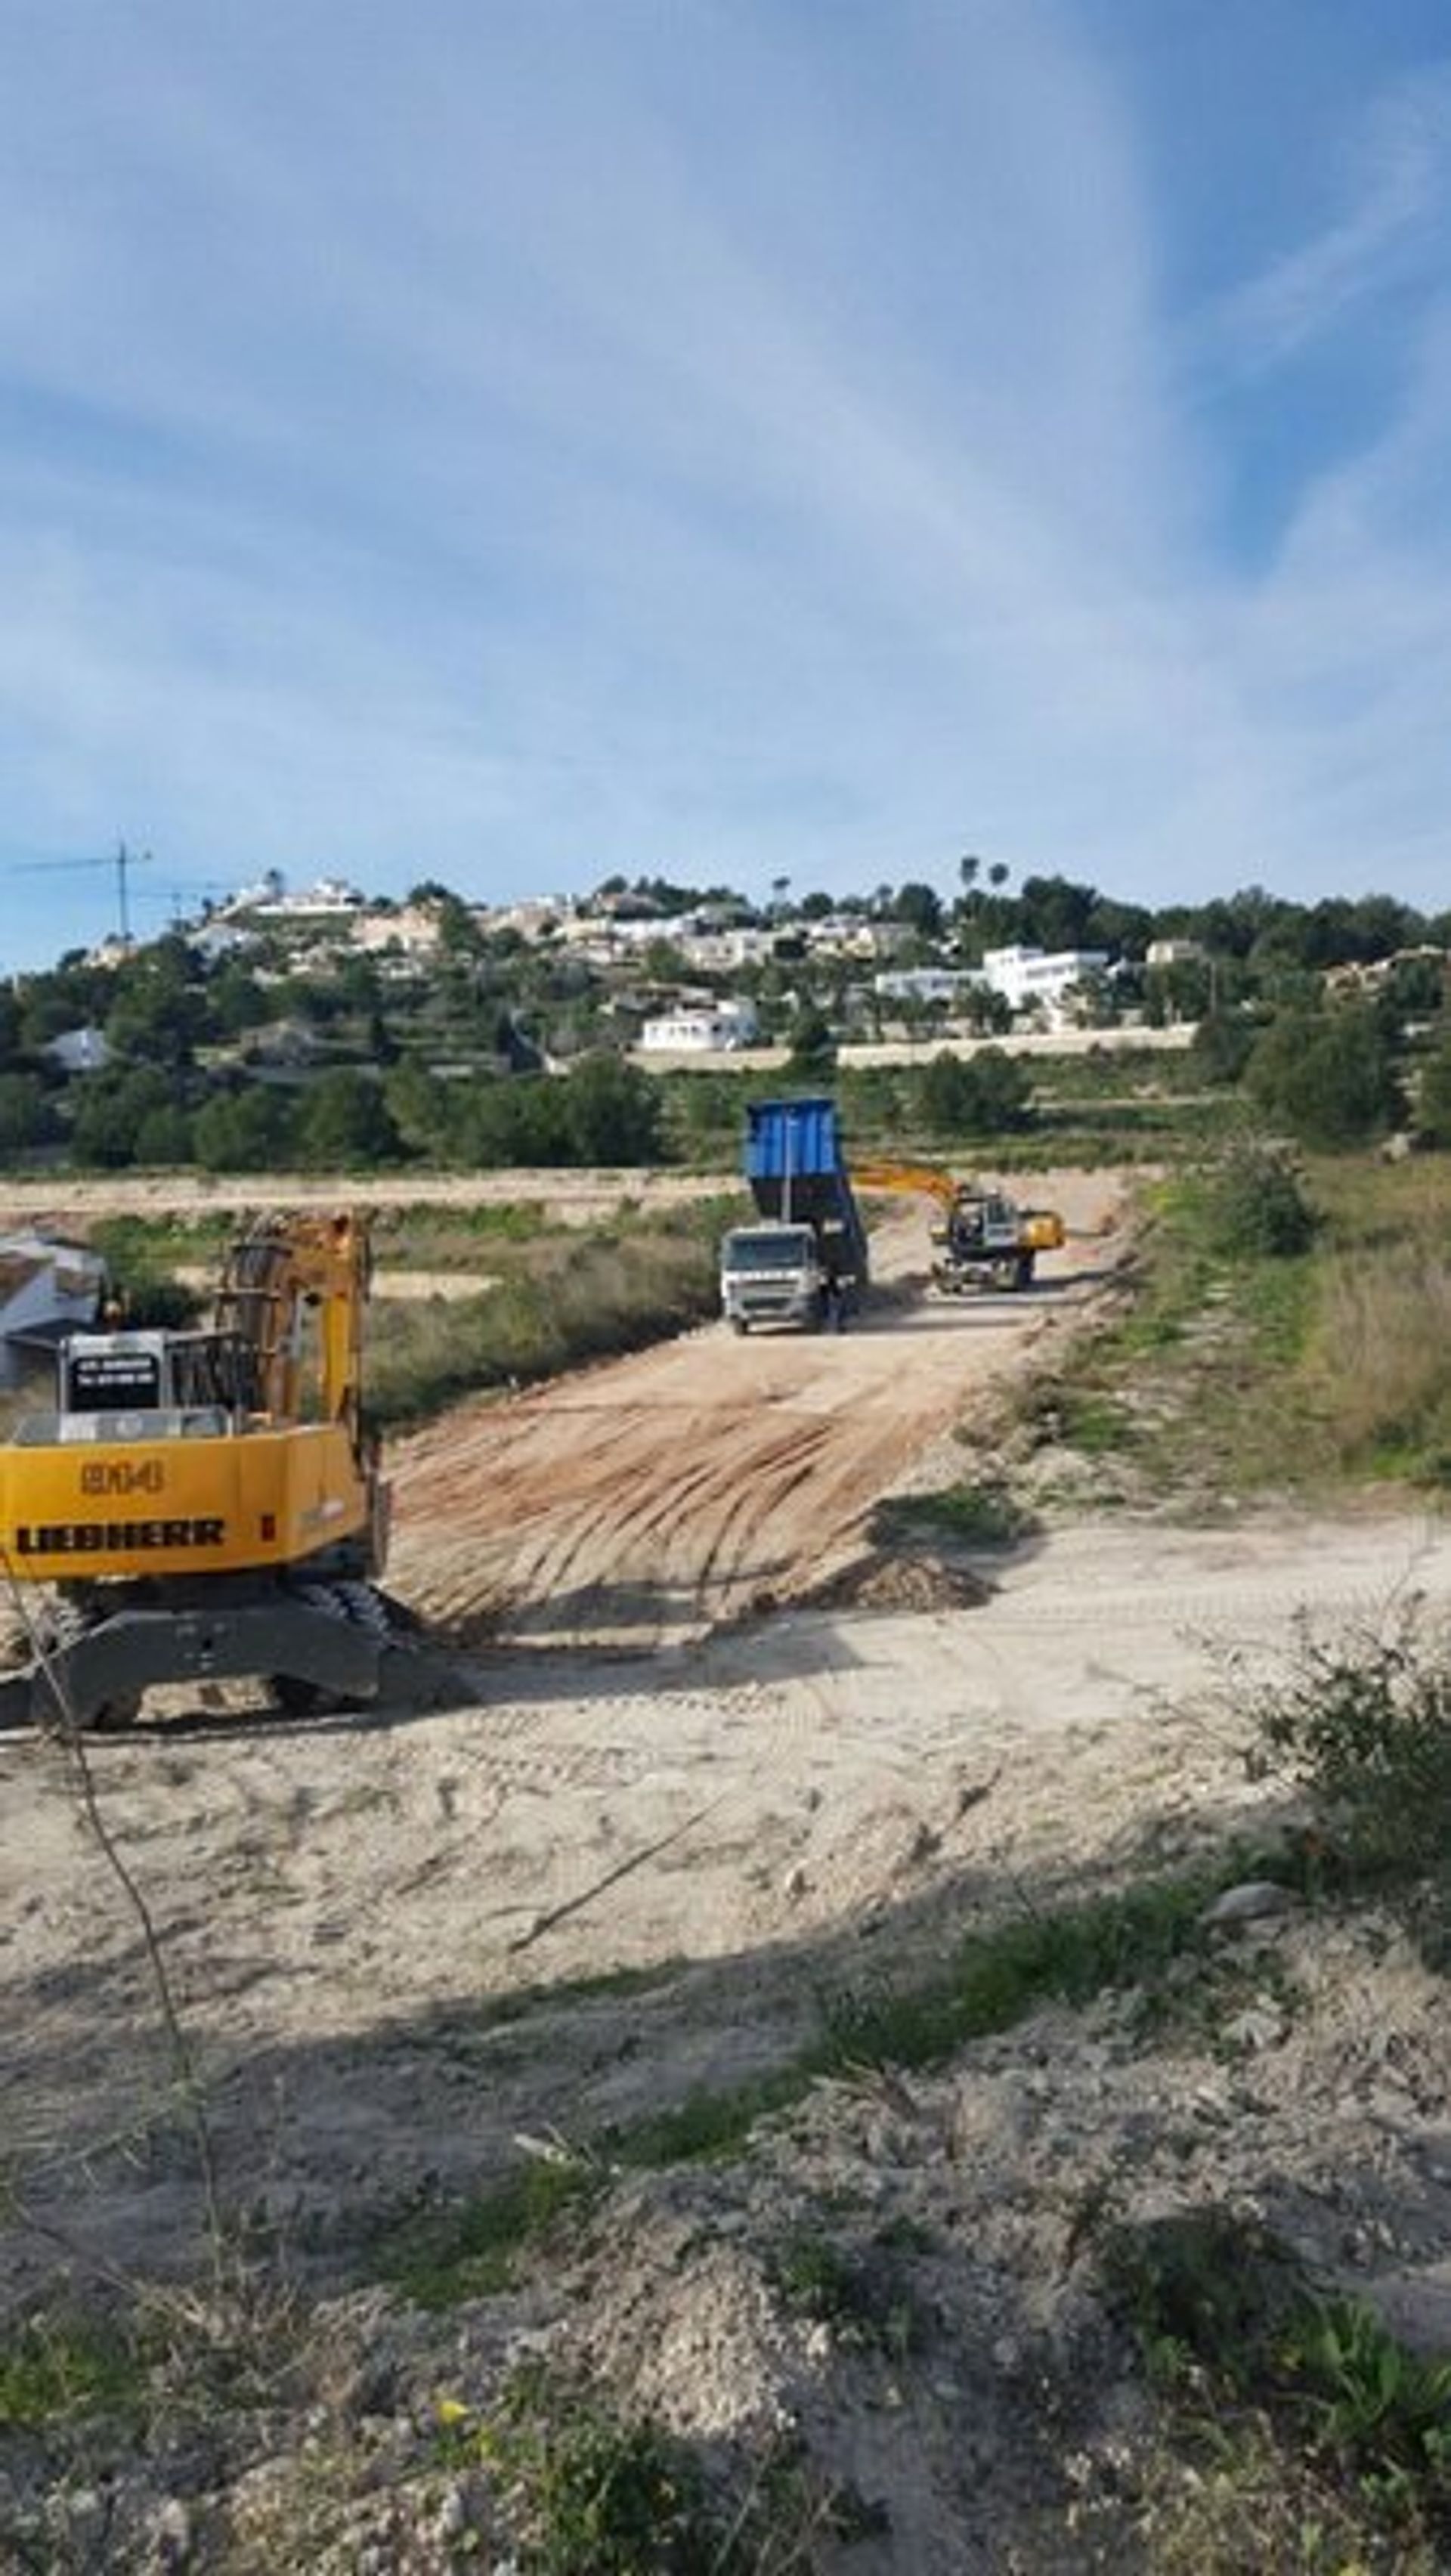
(1393, 230)
(543, 440)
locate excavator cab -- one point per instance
(160, 1385)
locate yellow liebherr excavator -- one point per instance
(208, 1503)
(981, 1237)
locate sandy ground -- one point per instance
(683, 1760)
(647, 1775)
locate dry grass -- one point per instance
(1381, 1355)
(561, 1300)
(1378, 1358)
(1238, 1371)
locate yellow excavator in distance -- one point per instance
(208, 1503)
(982, 1238)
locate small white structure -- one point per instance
(717, 1031)
(1030, 978)
(330, 899)
(47, 1287)
(79, 1051)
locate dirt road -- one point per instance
(646, 1502)
(412, 1950)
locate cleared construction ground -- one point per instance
(643, 1503)
(417, 1953)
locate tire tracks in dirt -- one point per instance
(648, 1500)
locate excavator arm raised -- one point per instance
(281, 1270)
(928, 1178)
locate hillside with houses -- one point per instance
(318, 1026)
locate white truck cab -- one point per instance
(773, 1274)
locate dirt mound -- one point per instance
(883, 1582)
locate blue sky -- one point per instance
(514, 440)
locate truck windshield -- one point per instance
(787, 1249)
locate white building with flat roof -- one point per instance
(716, 1030)
(1030, 978)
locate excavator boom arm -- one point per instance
(923, 1177)
(284, 1265)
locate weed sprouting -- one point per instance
(1386, 2409)
(1236, 2334)
(56, 2367)
(1205, 2289)
(977, 1512)
(583, 2489)
(1364, 1727)
(471, 2249)
(862, 2294)
(587, 2491)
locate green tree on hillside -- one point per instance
(612, 1112)
(343, 1122)
(244, 1131)
(27, 1118)
(981, 1095)
(1433, 1095)
(813, 1048)
(1328, 1076)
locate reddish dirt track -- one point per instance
(653, 1498)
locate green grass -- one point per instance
(562, 1300)
(605, 1985)
(54, 2368)
(976, 1512)
(560, 1295)
(585, 2490)
(861, 2292)
(1197, 1381)
(1316, 2425)
(472, 2250)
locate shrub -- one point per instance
(1327, 1076)
(1257, 1208)
(1365, 1729)
(583, 2490)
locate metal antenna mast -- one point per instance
(125, 862)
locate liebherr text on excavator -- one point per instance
(208, 1503)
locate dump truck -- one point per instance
(804, 1261)
(981, 1238)
(208, 1503)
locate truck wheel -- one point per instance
(739, 1325)
(1023, 1273)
